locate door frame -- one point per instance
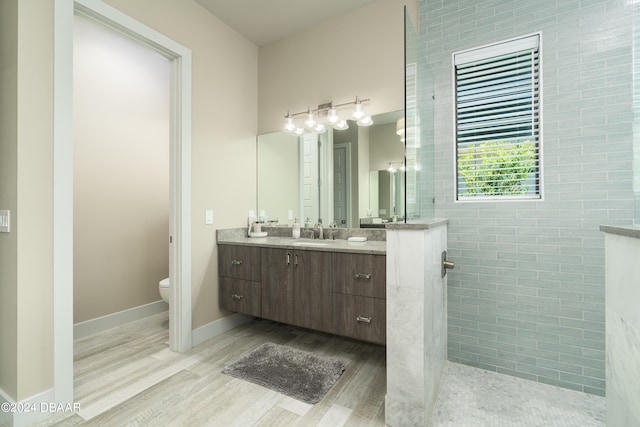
(348, 205)
(180, 329)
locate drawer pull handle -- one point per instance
(363, 319)
(236, 296)
(363, 276)
(236, 262)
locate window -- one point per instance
(497, 104)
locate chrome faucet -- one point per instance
(318, 227)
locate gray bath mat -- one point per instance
(302, 375)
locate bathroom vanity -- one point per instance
(390, 290)
(332, 286)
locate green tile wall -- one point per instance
(527, 295)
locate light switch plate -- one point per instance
(208, 217)
(5, 221)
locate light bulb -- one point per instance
(400, 127)
(299, 131)
(288, 125)
(332, 116)
(341, 125)
(320, 128)
(365, 121)
(358, 113)
(310, 122)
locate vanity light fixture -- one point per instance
(289, 126)
(400, 126)
(310, 123)
(401, 129)
(341, 125)
(393, 169)
(358, 113)
(332, 115)
(327, 115)
(365, 121)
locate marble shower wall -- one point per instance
(622, 252)
(416, 321)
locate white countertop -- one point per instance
(327, 245)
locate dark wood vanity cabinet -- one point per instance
(360, 274)
(276, 277)
(335, 292)
(296, 287)
(240, 287)
(241, 296)
(240, 262)
(359, 296)
(362, 318)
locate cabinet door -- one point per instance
(276, 277)
(362, 318)
(241, 296)
(241, 262)
(312, 305)
(360, 274)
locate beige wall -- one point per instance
(358, 53)
(385, 147)
(26, 252)
(8, 194)
(121, 172)
(223, 161)
(279, 176)
(224, 121)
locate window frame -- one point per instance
(494, 50)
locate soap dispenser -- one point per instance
(296, 229)
(252, 220)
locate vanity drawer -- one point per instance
(360, 274)
(362, 318)
(241, 296)
(240, 262)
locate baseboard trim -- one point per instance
(101, 324)
(5, 416)
(217, 327)
(28, 411)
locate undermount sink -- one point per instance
(304, 243)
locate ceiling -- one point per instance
(267, 21)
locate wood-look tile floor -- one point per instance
(128, 376)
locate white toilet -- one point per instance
(164, 289)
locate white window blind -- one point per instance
(498, 121)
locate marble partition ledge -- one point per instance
(622, 293)
(416, 323)
(623, 370)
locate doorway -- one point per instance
(121, 174)
(342, 185)
(179, 237)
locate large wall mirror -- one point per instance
(349, 178)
